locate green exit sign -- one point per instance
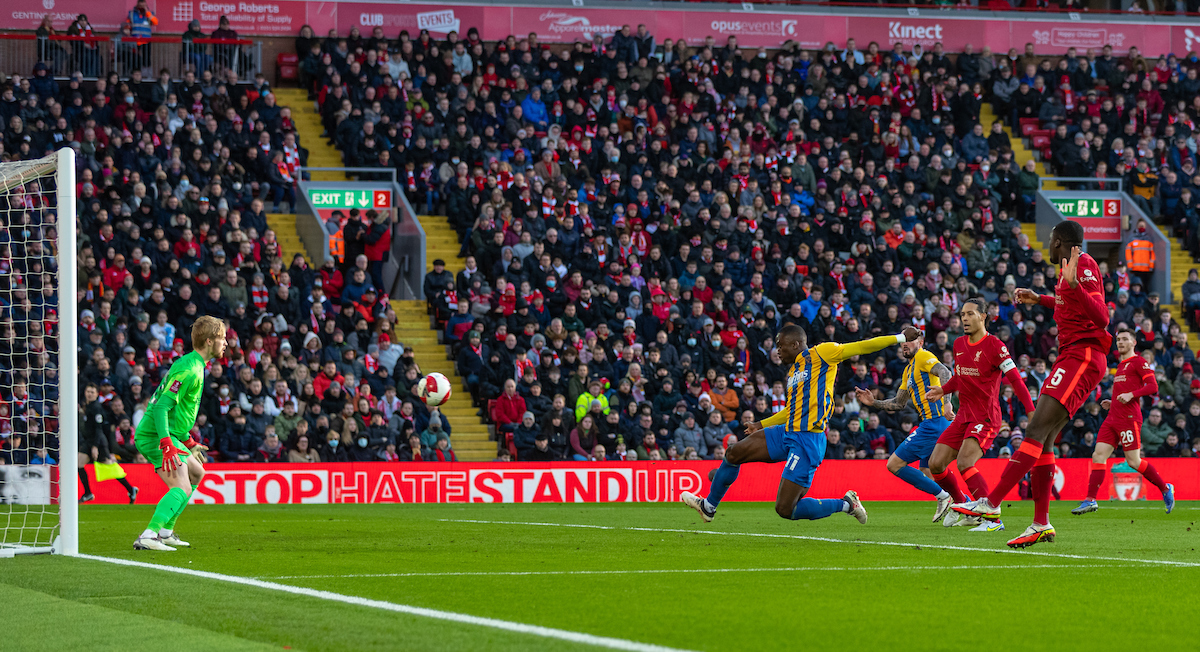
(1088, 207)
(347, 199)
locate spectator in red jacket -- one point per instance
(510, 407)
(114, 275)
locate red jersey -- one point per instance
(977, 372)
(1133, 375)
(1080, 312)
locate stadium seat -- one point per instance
(287, 67)
(1039, 142)
(1028, 125)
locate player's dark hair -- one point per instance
(979, 304)
(793, 331)
(1128, 330)
(1069, 231)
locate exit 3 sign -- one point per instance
(347, 199)
(1088, 207)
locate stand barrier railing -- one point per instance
(96, 56)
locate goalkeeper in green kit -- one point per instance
(170, 417)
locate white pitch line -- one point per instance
(831, 540)
(697, 570)
(437, 614)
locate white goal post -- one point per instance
(39, 499)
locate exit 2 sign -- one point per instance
(347, 199)
(1088, 207)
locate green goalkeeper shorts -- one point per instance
(148, 447)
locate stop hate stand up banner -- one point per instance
(581, 482)
(753, 29)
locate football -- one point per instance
(434, 389)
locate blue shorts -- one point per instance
(919, 445)
(802, 453)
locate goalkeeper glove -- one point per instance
(170, 454)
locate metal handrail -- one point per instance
(302, 170)
(1042, 181)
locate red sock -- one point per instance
(976, 484)
(947, 480)
(1020, 464)
(1096, 478)
(1151, 474)
(1040, 480)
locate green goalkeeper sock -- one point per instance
(171, 523)
(170, 505)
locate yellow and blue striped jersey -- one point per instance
(811, 381)
(810, 387)
(918, 379)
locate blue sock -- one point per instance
(917, 479)
(725, 475)
(811, 509)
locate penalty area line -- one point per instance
(436, 614)
(665, 571)
(802, 537)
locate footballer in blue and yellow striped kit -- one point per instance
(796, 434)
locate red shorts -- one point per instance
(961, 430)
(1075, 375)
(1124, 434)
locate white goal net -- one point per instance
(38, 388)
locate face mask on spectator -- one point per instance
(362, 442)
(333, 443)
(691, 341)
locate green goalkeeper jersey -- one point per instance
(172, 409)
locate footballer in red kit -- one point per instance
(980, 361)
(1083, 343)
(1123, 426)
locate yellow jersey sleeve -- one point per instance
(926, 361)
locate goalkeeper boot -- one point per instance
(133, 495)
(172, 539)
(151, 543)
(707, 512)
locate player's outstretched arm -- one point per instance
(1031, 298)
(944, 377)
(779, 418)
(897, 402)
(834, 353)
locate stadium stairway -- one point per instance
(308, 125)
(415, 328)
(1021, 151)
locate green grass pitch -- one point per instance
(643, 573)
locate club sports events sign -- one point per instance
(337, 198)
(577, 482)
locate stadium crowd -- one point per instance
(638, 219)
